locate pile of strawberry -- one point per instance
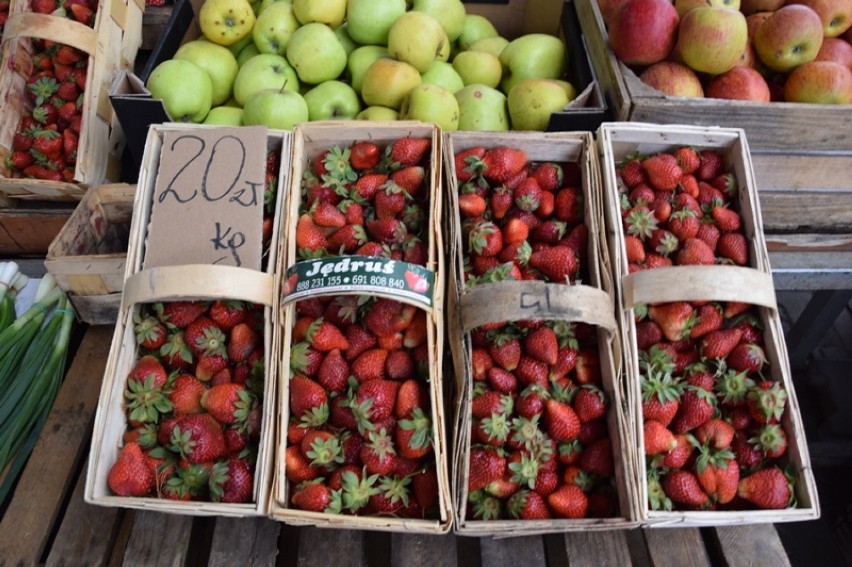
(272, 165)
(45, 143)
(539, 441)
(360, 435)
(367, 200)
(193, 402)
(711, 420)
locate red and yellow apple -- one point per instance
(837, 50)
(823, 82)
(673, 79)
(836, 15)
(643, 32)
(711, 39)
(740, 83)
(789, 37)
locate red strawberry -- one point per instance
(683, 488)
(711, 165)
(414, 435)
(333, 372)
(733, 246)
(471, 205)
(718, 344)
(131, 475)
(657, 438)
(709, 318)
(308, 400)
(180, 313)
(485, 239)
(150, 333)
(596, 458)
(502, 163)
(409, 179)
(693, 252)
(387, 317)
(631, 172)
(198, 438)
(232, 481)
(298, 467)
(527, 505)
(374, 402)
(242, 342)
(364, 155)
(227, 313)
(715, 433)
(684, 224)
(468, 163)
(688, 159)
(486, 466)
(324, 336)
(378, 454)
(561, 421)
(568, 501)
(589, 403)
(228, 403)
(186, 394)
(718, 474)
(408, 151)
(680, 455)
(747, 357)
(663, 171)
(557, 263)
(527, 195)
(770, 440)
(209, 366)
(660, 397)
(204, 338)
(548, 175)
(727, 220)
(542, 344)
(675, 318)
(83, 14)
(767, 489)
(766, 401)
(310, 238)
(505, 351)
(312, 497)
(696, 407)
(568, 205)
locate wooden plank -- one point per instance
(323, 547)
(45, 481)
(675, 547)
(87, 532)
(597, 549)
(244, 541)
(809, 243)
(511, 552)
(30, 231)
(417, 550)
(809, 171)
(756, 544)
(158, 539)
(811, 211)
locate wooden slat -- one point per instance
(814, 211)
(158, 539)
(756, 544)
(28, 521)
(676, 547)
(244, 541)
(511, 552)
(86, 534)
(791, 172)
(597, 549)
(322, 547)
(416, 550)
(30, 231)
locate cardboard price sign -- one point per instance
(208, 198)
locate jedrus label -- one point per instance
(360, 274)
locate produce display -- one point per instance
(4, 15)
(46, 139)
(540, 444)
(282, 63)
(711, 417)
(360, 436)
(776, 50)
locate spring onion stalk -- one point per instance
(24, 407)
(9, 282)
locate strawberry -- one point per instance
(766, 401)
(718, 344)
(727, 220)
(198, 438)
(150, 333)
(147, 371)
(657, 438)
(675, 318)
(414, 435)
(48, 143)
(768, 489)
(333, 371)
(696, 407)
(308, 400)
(711, 165)
(548, 175)
(468, 163)
(683, 488)
(688, 159)
(68, 91)
(589, 403)
(527, 505)
(640, 222)
(527, 195)
(227, 313)
(561, 421)
(718, 474)
(747, 357)
(374, 402)
(568, 501)
(502, 380)
(370, 365)
(485, 239)
(324, 336)
(660, 397)
(364, 155)
(597, 458)
(543, 345)
(556, 263)
(663, 171)
(243, 340)
(186, 393)
(734, 247)
(209, 366)
(648, 333)
(387, 231)
(325, 214)
(180, 313)
(715, 433)
(634, 249)
(310, 238)
(409, 179)
(83, 14)
(708, 318)
(771, 440)
(411, 396)
(471, 205)
(312, 497)
(231, 481)
(487, 465)
(425, 487)
(131, 475)
(298, 468)
(323, 448)
(228, 403)
(67, 55)
(204, 338)
(502, 199)
(378, 454)
(694, 251)
(408, 151)
(680, 455)
(631, 172)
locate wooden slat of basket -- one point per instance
(420, 550)
(677, 547)
(158, 539)
(244, 541)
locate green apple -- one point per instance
(225, 116)
(264, 4)
(475, 27)
(378, 114)
(342, 33)
(274, 28)
(275, 109)
(360, 60)
(492, 45)
(226, 21)
(532, 56)
(328, 12)
(482, 108)
(219, 63)
(449, 13)
(478, 67)
(417, 39)
(263, 72)
(442, 74)
(236, 48)
(431, 103)
(247, 53)
(532, 101)
(387, 81)
(332, 100)
(184, 88)
(316, 54)
(371, 20)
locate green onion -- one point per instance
(11, 281)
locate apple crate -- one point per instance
(590, 302)
(89, 254)
(310, 140)
(784, 127)
(111, 45)
(724, 283)
(182, 282)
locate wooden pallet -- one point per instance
(59, 528)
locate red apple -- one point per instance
(837, 50)
(749, 7)
(740, 83)
(711, 39)
(609, 8)
(748, 58)
(672, 79)
(753, 21)
(836, 15)
(789, 37)
(643, 32)
(823, 82)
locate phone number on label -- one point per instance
(377, 281)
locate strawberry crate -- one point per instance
(89, 253)
(583, 307)
(690, 353)
(108, 44)
(192, 283)
(403, 485)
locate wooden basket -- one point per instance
(171, 283)
(591, 303)
(722, 283)
(309, 140)
(88, 256)
(785, 127)
(112, 44)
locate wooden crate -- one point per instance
(590, 302)
(88, 256)
(167, 284)
(718, 282)
(111, 45)
(309, 140)
(776, 126)
(28, 228)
